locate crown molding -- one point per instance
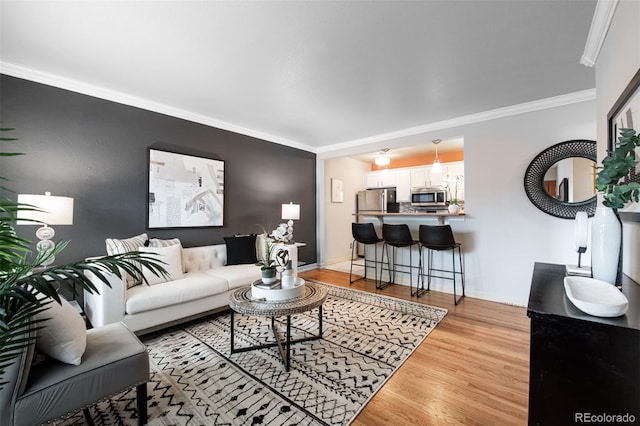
(123, 98)
(598, 32)
(542, 104)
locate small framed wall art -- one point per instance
(184, 191)
(337, 191)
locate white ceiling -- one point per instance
(310, 74)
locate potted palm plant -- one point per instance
(27, 289)
(617, 191)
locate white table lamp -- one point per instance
(52, 211)
(291, 212)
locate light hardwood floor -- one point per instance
(473, 369)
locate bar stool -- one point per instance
(440, 238)
(364, 233)
(396, 236)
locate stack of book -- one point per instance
(273, 285)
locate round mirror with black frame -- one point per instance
(555, 201)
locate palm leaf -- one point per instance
(27, 289)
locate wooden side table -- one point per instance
(241, 302)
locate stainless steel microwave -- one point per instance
(428, 197)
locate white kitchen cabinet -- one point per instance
(380, 178)
(425, 177)
(420, 177)
(403, 185)
(436, 177)
(372, 180)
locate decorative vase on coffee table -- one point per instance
(606, 235)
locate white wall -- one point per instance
(617, 63)
(509, 233)
(339, 216)
(503, 233)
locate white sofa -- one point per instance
(204, 289)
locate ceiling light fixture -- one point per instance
(437, 167)
(382, 159)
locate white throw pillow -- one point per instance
(157, 242)
(115, 246)
(172, 256)
(64, 336)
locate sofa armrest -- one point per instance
(108, 304)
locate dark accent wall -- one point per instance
(96, 152)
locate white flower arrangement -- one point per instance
(280, 234)
(453, 198)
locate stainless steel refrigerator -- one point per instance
(375, 200)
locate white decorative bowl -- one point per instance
(595, 297)
(277, 293)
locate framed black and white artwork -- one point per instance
(185, 191)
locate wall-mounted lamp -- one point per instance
(382, 159)
(291, 212)
(51, 210)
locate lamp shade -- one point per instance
(291, 211)
(437, 167)
(383, 160)
(55, 210)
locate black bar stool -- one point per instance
(396, 236)
(364, 233)
(440, 238)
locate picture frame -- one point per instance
(337, 190)
(625, 113)
(184, 191)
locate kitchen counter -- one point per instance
(441, 216)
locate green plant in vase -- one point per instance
(267, 262)
(610, 181)
(617, 189)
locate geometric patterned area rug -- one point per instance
(195, 380)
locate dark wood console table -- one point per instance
(581, 365)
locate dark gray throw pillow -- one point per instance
(241, 250)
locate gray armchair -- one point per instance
(114, 360)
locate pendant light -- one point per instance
(382, 159)
(437, 167)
